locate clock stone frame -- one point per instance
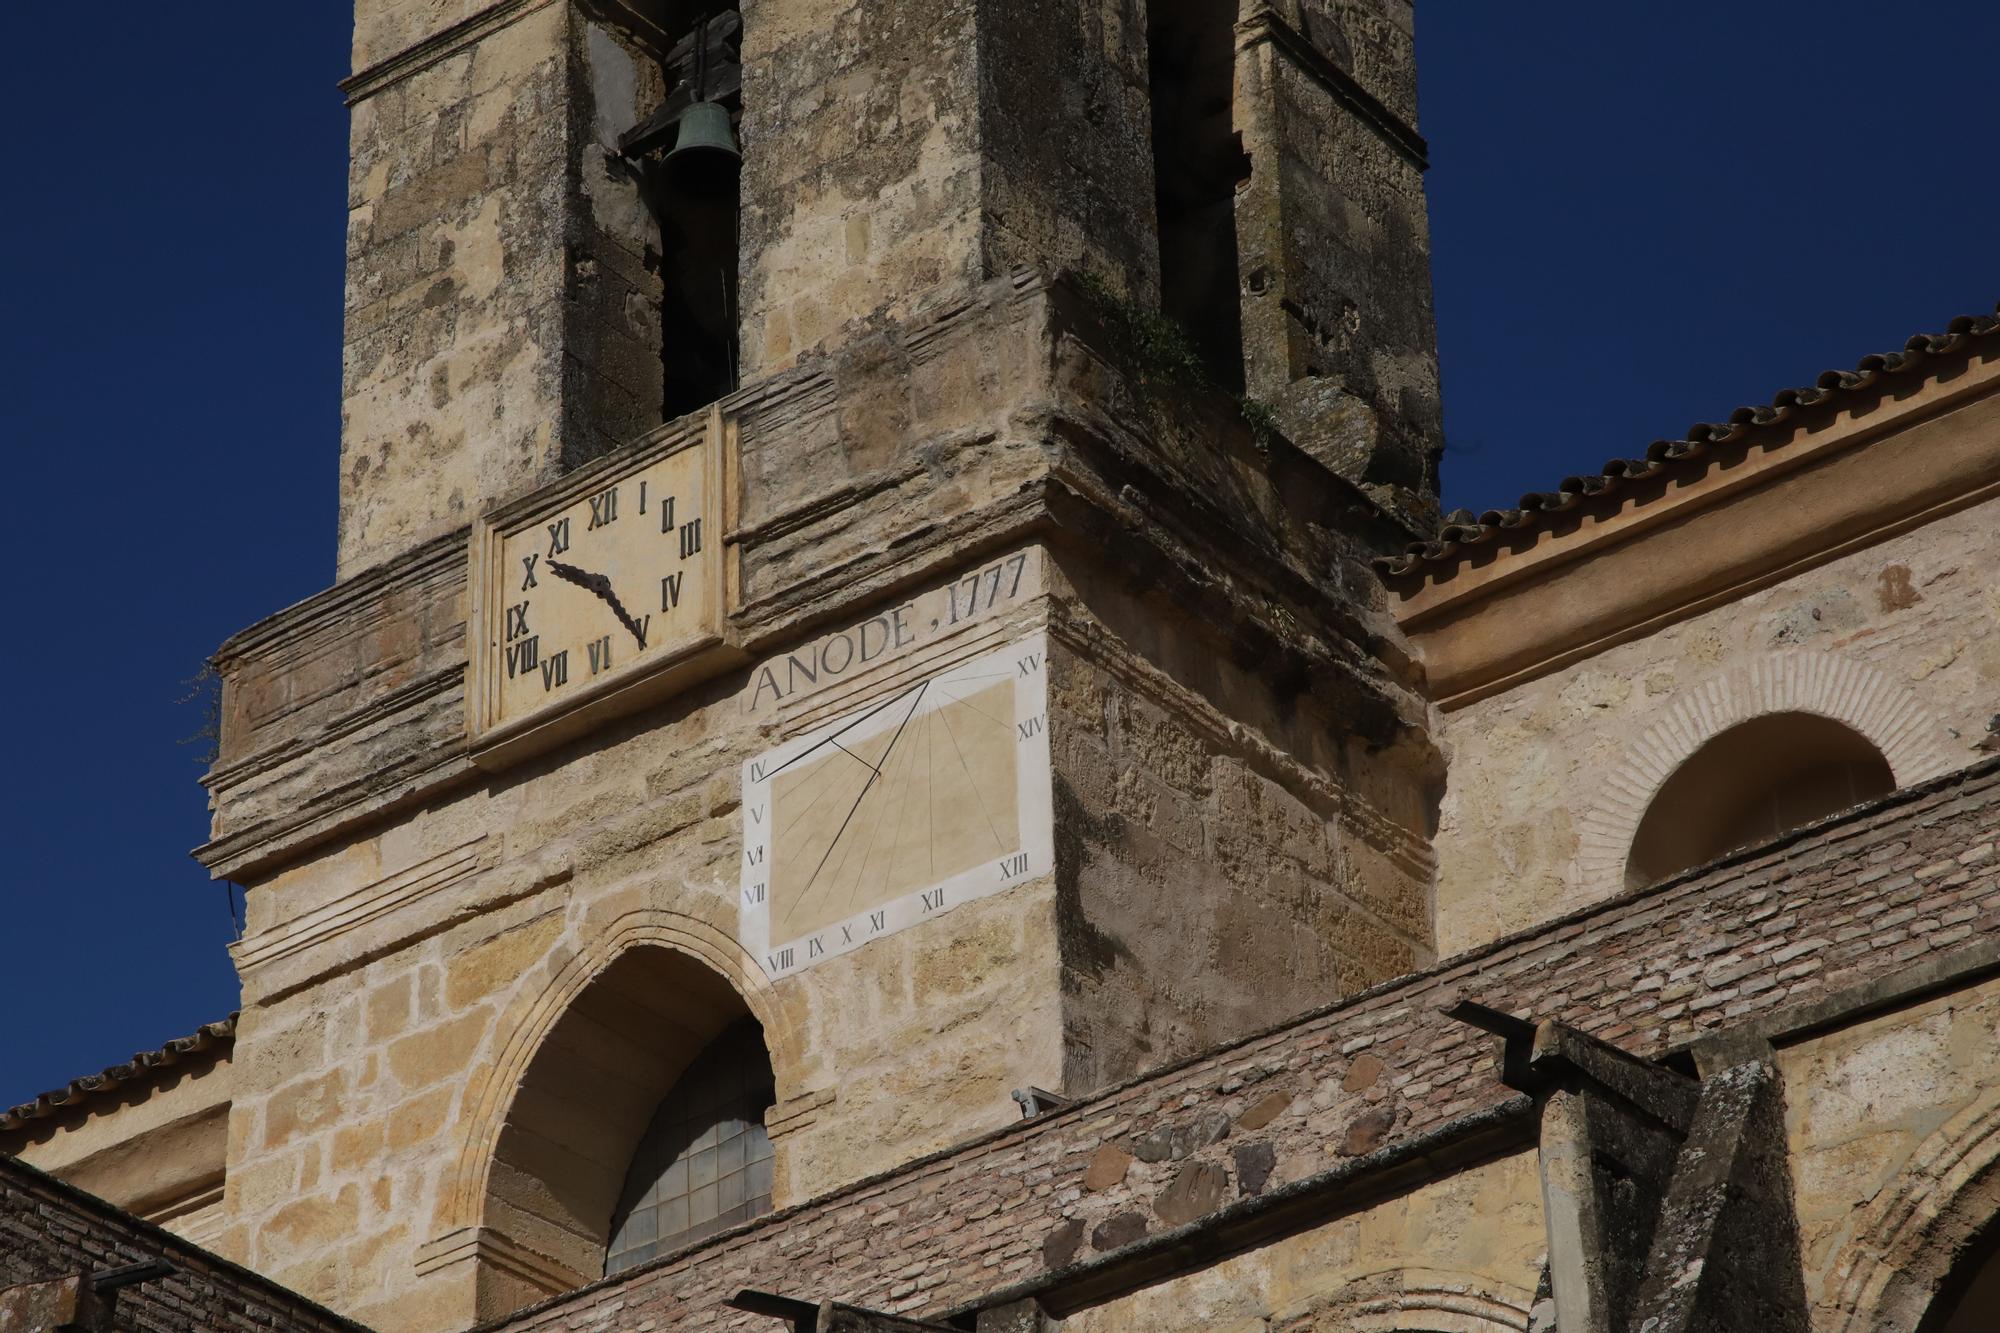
(688, 648)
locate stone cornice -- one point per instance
(1835, 483)
(1266, 25)
(440, 45)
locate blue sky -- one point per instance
(1643, 216)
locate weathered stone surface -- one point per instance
(1367, 1132)
(1062, 1244)
(1264, 1110)
(1119, 1229)
(1107, 1168)
(1195, 1191)
(1254, 1162)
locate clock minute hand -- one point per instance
(599, 585)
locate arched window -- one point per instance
(1751, 783)
(705, 1162)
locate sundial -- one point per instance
(933, 793)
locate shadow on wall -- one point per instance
(1750, 783)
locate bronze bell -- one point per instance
(705, 133)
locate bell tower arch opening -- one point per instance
(1750, 783)
(640, 1111)
(1198, 161)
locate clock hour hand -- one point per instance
(601, 587)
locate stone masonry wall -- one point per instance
(48, 1230)
(1547, 780)
(1334, 234)
(1852, 901)
(501, 323)
(1223, 864)
(415, 922)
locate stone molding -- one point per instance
(1824, 684)
(1266, 25)
(351, 911)
(1413, 1298)
(484, 1247)
(439, 46)
(1905, 1242)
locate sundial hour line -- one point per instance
(971, 781)
(886, 703)
(872, 777)
(970, 707)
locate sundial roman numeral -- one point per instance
(603, 509)
(558, 537)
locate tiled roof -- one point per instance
(1703, 446)
(141, 1068)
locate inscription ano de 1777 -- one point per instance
(934, 614)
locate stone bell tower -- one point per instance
(854, 530)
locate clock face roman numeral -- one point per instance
(522, 656)
(573, 569)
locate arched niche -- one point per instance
(1825, 685)
(582, 1110)
(1751, 783)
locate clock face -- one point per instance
(613, 576)
(933, 794)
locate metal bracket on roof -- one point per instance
(829, 1316)
(1039, 1101)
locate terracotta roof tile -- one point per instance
(1463, 531)
(139, 1069)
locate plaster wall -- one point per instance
(157, 1150)
(1547, 780)
(1887, 1120)
(1461, 1254)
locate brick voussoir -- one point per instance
(1382, 1078)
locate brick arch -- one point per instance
(1852, 693)
(1413, 1299)
(520, 1206)
(1909, 1237)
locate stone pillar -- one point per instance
(501, 320)
(1334, 235)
